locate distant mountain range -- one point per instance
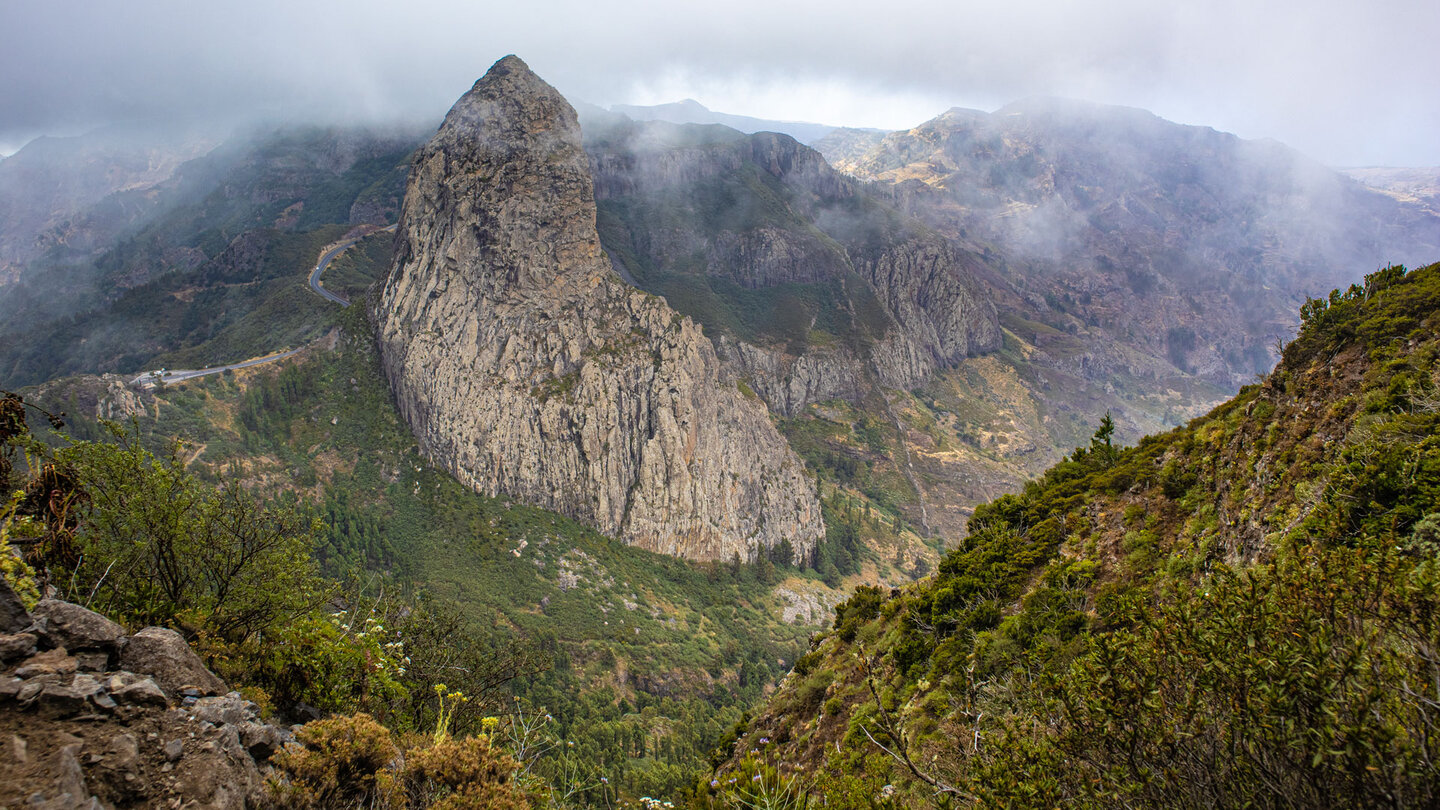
(1419, 186)
(691, 111)
(75, 195)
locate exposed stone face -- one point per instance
(931, 294)
(163, 654)
(765, 257)
(788, 383)
(13, 616)
(16, 645)
(75, 628)
(526, 367)
(940, 317)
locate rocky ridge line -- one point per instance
(936, 312)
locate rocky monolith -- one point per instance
(526, 367)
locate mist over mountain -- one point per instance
(1197, 244)
(626, 404)
(691, 111)
(72, 196)
(525, 366)
(1137, 266)
(1420, 186)
(141, 272)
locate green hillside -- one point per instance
(647, 660)
(1244, 611)
(230, 232)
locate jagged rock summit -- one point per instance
(526, 367)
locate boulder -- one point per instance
(58, 700)
(92, 660)
(140, 693)
(229, 709)
(119, 680)
(89, 687)
(163, 655)
(13, 616)
(262, 740)
(50, 662)
(16, 645)
(76, 628)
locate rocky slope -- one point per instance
(525, 366)
(92, 717)
(1331, 460)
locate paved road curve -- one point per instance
(327, 257)
(152, 378)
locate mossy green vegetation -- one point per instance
(248, 301)
(352, 274)
(1240, 612)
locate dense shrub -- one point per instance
(346, 761)
(1307, 682)
(353, 761)
(157, 546)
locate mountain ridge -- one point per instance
(690, 111)
(1138, 225)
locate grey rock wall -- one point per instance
(526, 367)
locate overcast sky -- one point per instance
(1350, 83)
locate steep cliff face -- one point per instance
(925, 283)
(819, 285)
(526, 367)
(788, 383)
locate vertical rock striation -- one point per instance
(525, 367)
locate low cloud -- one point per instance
(1348, 83)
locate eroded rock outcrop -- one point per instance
(942, 316)
(787, 382)
(76, 730)
(526, 367)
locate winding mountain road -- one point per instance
(150, 379)
(328, 256)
